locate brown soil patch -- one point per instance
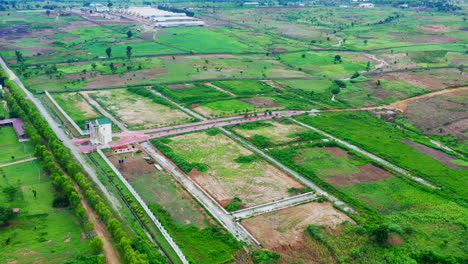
(71, 37)
(128, 77)
(180, 85)
(366, 173)
(382, 94)
(283, 230)
(394, 240)
(260, 102)
(299, 158)
(436, 28)
(441, 156)
(277, 50)
(432, 38)
(422, 79)
(133, 166)
(255, 183)
(336, 151)
(195, 105)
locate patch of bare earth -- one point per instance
(424, 80)
(336, 151)
(441, 156)
(431, 38)
(133, 165)
(283, 230)
(125, 78)
(394, 240)
(138, 111)
(277, 50)
(366, 173)
(260, 102)
(436, 28)
(255, 183)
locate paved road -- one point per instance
(197, 192)
(368, 154)
(145, 207)
(296, 175)
(103, 111)
(273, 206)
(62, 136)
(18, 161)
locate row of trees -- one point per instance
(59, 164)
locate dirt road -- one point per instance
(111, 253)
(401, 105)
(18, 161)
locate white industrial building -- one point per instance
(100, 131)
(162, 18)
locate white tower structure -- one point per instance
(100, 131)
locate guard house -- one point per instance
(100, 131)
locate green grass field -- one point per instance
(383, 139)
(12, 149)
(325, 164)
(76, 107)
(243, 88)
(41, 232)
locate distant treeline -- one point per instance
(176, 10)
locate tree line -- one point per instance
(63, 170)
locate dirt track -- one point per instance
(403, 104)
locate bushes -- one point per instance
(261, 141)
(297, 191)
(145, 93)
(40, 132)
(186, 166)
(254, 125)
(209, 245)
(246, 159)
(235, 205)
(264, 256)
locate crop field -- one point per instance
(12, 149)
(385, 140)
(138, 112)
(254, 182)
(283, 231)
(245, 88)
(76, 106)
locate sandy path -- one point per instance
(403, 104)
(18, 161)
(112, 256)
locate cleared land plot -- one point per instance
(223, 107)
(446, 159)
(276, 132)
(76, 107)
(337, 167)
(41, 233)
(283, 231)
(138, 112)
(243, 88)
(156, 186)
(384, 139)
(200, 238)
(448, 116)
(11, 148)
(324, 65)
(254, 183)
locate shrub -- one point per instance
(264, 256)
(246, 159)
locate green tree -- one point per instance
(6, 214)
(11, 192)
(335, 90)
(109, 52)
(96, 245)
(337, 59)
(129, 34)
(19, 56)
(112, 67)
(129, 52)
(380, 234)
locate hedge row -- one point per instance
(40, 128)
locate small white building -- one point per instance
(100, 131)
(366, 5)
